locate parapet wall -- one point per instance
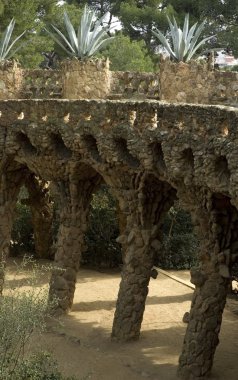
(177, 82)
(197, 83)
(46, 84)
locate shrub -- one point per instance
(22, 313)
(103, 250)
(40, 366)
(22, 240)
(180, 244)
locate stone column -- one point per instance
(10, 183)
(42, 215)
(145, 208)
(217, 220)
(74, 205)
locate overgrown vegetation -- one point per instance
(22, 241)
(24, 307)
(102, 248)
(180, 244)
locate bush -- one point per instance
(23, 311)
(102, 248)
(180, 244)
(40, 366)
(22, 240)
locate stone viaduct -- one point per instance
(149, 153)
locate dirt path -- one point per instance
(81, 342)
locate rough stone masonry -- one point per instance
(149, 153)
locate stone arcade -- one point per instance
(149, 154)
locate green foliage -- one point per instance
(127, 55)
(89, 39)
(184, 42)
(33, 16)
(40, 366)
(6, 45)
(102, 250)
(22, 312)
(180, 244)
(29, 15)
(139, 17)
(22, 239)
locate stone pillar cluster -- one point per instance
(144, 207)
(74, 198)
(217, 223)
(10, 183)
(41, 208)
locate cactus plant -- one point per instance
(184, 42)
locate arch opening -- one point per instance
(25, 144)
(187, 157)
(124, 154)
(158, 156)
(91, 145)
(59, 146)
(222, 171)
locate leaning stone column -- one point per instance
(42, 215)
(216, 216)
(145, 210)
(74, 207)
(138, 262)
(9, 188)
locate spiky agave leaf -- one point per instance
(6, 51)
(88, 40)
(184, 42)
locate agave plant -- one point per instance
(185, 42)
(6, 51)
(91, 36)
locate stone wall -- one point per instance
(85, 79)
(11, 80)
(42, 84)
(135, 85)
(177, 82)
(197, 83)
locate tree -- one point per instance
(221, 16)
(138, 18)
(101, 6)
(33, 16)
(127, 55)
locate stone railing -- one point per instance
(135, 85)
(42, 84)
(45, 84)
(177, 82)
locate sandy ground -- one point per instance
(81, 342)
